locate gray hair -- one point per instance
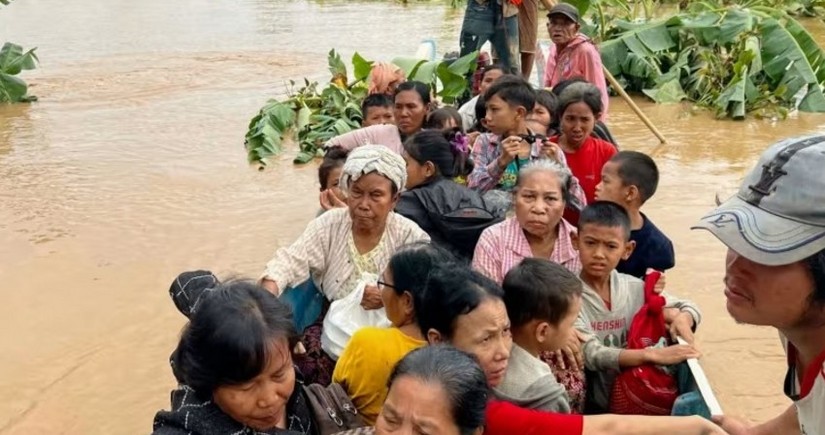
(374, 158)
(551, 167)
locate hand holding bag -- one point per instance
(345, 316)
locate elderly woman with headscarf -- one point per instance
(338, 248)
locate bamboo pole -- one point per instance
(632, 104)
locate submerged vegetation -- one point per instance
(735, 59)
(312, 114)
(14, 60)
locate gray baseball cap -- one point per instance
(778, 215)
(565, 9)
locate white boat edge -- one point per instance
(702, 384)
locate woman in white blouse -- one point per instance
(343, 244)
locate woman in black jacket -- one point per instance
(452, 214)
(234, 363)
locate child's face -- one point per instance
(601, 248)
(501, 117)
(558, 335)
(333, 179)
(378, 115)
(611, 188)
(540, 114)
(488, 79)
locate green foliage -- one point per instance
(13, 60)
(733, 59)
(312, 116)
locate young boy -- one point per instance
(629, 179)
(543, 300)
(498, 155)
(611, 299)
(377, 109)
(490, 74)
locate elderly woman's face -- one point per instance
(261, 402)
(485, 333)
(413, 407)
(539, 203)
(370, 201)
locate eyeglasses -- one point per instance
(382, 284)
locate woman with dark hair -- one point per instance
(600, 130)
(434, 158)
(233, 363)
(365, 365)
(412, 104)
(439, 388)
(579, 107)
(466, 309)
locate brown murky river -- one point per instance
(131, 169)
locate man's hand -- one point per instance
(570, 355)
(733, 425)
(682, 326)
(509, 151)
(550, 150)
(330, 200)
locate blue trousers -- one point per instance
(486, 22)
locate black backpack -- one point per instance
(458, 214)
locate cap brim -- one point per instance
(568, 15)
(761, 236)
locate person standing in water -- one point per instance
(573, 54)
(774, 229)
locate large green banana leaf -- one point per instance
(791, 58)
(12, 61)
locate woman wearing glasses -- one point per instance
(366, 363)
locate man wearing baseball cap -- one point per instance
(774, 229)
(572, 54)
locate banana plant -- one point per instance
(13, 60)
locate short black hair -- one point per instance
(539, 289)
(586, 93)
(514, 90)
(605, 214)
(436, 146)
(495, 67)
(816, 264)
(335, 157)
(437, 118)
(375, 100)
(458, 373)
(638, 169)
(480, 114)
(453, 290)
(410, 266)
(420, 88)
(228, 339)
(546, 99)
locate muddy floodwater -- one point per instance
(131, 169)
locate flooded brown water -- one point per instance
(131, 169)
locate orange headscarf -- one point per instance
(384, 78)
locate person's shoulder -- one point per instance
(497, 232)
(626, 282)
(406, 228)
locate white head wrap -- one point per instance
(374, 158)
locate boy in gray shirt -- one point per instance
(543, 300)
(610, 300)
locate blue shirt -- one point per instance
(653, 250)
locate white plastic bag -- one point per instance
(345, 316)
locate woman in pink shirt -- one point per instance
(412, 102)
(572, 53)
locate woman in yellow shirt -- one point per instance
(371, 354)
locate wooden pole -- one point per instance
(632, 104)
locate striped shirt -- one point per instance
(322, 252)
(502, 246)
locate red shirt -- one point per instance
(504, 418)
(586, 165)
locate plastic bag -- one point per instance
(647, 389)
(345, 316)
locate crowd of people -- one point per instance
(477, 269)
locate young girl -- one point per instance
(539, 119)
(234, 363)
(434, 158)
(445, 118)
(579, 107)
